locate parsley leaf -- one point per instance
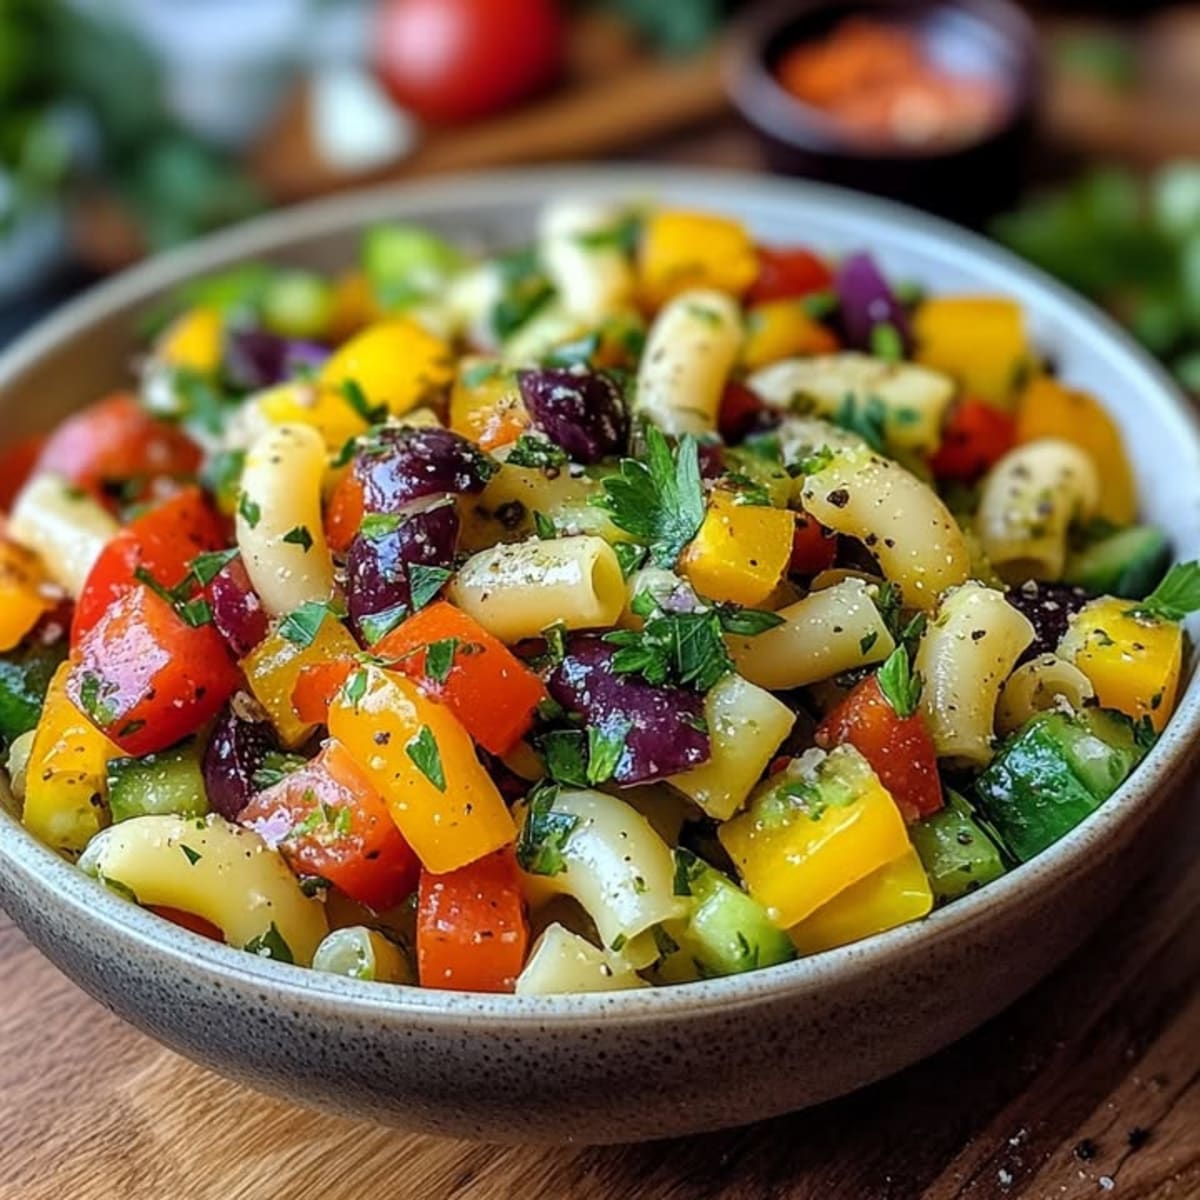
(630, 556)
(886, 342)
(270, 945)
(900, 685)
(565, 752)
(605, 748)
(299, 536)
(249, 510)
(439, 659)
(274, 768)
(746, 622)
(681, 648)
(867, 418)
(423, 750)
(425, 582)
(355, 687)
(204, 568)
(544, 833)
(660, 502)
(529, 450)
(96, 699)
(1176, 597)
(544, 527)
(354, 396)
(301, 626)
(193, 856)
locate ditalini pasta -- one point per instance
(691, 349)
(628, 608)
(1030, 500)
(966, 654)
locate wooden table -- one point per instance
(1089, 1086)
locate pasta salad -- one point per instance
(639, 606)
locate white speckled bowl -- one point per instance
(620, 1066)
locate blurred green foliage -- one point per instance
(1132, 245)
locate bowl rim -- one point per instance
(765, 104)
(64, 886)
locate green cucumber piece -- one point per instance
(25, 674)
(1128, 563)
(170, 782)
(1053, 772)
(956, 852)
(724, 932)
(404, 263)
(297, 304)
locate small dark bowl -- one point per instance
(967, 181)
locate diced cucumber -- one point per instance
(1128, 563)
(405, 263)
(25, 675)
(171, 782)
(297, 304)
(957, 854)
(1053, 772)
(724, 932)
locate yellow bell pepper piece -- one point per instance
(1133, 662)
(396, 363)
(24, 594)
(1047, 409)
(741, 551)
(66, 783)
(193, 341)
(685, 250)
(327, 410)
(978, 340)
(781, 329)
(812, 831)
(485, 403)
(423, 762)
(273, 667)
(895, 894)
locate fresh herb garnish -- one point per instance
(379, 525)
(439, 659)
(274, 768)
(660, 501)
(270, 945)
(900, 685)
(544, 834)
(681, 648)
(544, 527)
(423, 750)
(886, 342)
(631, 557)
(1176, 597)
(204, 568)
(355, 687)
(605, 748)
(866, 417)
(354, 396)
(301, 626)
(299, 536)
(565, 752)
(424, 583)
(746, 622)
(530, 450)
(193, 856)
(249, 510)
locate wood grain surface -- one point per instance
(1089, 1087)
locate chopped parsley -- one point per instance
(193, 856)
(423, 750)
(379, 525)
(605, 748)
(379, 624)
(1176, 597)
(623, 236)
(204, 568)
(194, 612)
(565, 752)
(301, 626)
(425, 582)
(356, 398)
(688, 868)
(746, 622)
(631, 557)
(580, 350)
(544, 527)
(270, 945)
(866, 417)
(439, 659)
(660, 501)
(299, 536)
(355, 687)
(544, 833)
(530, 450)
(249, 510)
(477, 374)
(900, 685)
(887, 342)
(274, 768)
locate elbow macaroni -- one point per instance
(964, 658)
(562, 962)
(279, 526)
(1043, 683)
(690, 351)
(1030, 499)
(901, 520)
(592, 275)
(516, 591)
(827, 632)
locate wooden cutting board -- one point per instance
(1093, 1080)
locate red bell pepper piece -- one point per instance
(162, 541)
(977, 435)
(472, 931)
(187, 920)
(327, 820)
(147, 678)
(116, 440)
(739, 411)
(486, 686)
(787, 273)
(814, 548)
(899, 749)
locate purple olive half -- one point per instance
(237, 612)
(1049, 607)
(383, 566)
(581, 411)
(663, 726)
(397, 466)
(235, 754)
(257, 359)
(867, 304)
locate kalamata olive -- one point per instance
(663, 726)
(238, 614)
(379, 577)
(582, 411)
(397, 465)
(1049, 607)
(257, 359)
(867, 302)
(711, 458)
(235, 753)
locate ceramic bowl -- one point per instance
(619, 1066)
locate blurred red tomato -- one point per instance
(452, 60)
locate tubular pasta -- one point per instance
(1042, 683)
